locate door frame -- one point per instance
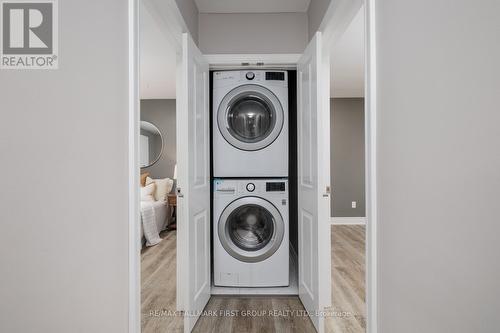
(167, 14)
(371, 167)
(134, 248)
(336, 19)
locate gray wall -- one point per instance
(315, 14)
(253, 33)
(64, 185)
(189, 12)
(348, 156)
(161, 113)
(438, 165)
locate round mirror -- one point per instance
(151, 144)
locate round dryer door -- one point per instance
(250, 117)
(251, 229)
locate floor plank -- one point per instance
(257, 313)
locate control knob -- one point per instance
(250, 187)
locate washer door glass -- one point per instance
(250, 117)
(251, 229)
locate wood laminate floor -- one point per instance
(260, 314)
(348, 280)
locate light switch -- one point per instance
(354, 204)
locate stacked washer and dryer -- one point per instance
(250, 168)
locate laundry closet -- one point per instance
(253, 186)
(250, 154)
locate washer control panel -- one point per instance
(254, 187)
(221, 186)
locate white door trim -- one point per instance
(134, 231)
(371, 167)
(348, 220)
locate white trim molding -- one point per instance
(371, 167)
(134, 229)
(348, 220)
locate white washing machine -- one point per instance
(250, 232)
(250, 123)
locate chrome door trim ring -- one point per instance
(237, 92)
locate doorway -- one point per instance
(158, 174)
(347, 170)
(221, 301)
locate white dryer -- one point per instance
(250, 232)
(250, 123)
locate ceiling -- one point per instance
(252, 6)
(157, 60)
(347, 71)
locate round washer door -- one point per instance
(251, 229)
(250, 117)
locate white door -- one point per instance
(314, 181)
(193, 183)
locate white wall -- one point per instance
(253, 33)
(63, 190)
(347, 56)
(315, 14)
(439, 162)
(189, 12)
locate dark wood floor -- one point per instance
(158, 271)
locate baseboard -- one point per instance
(348, 220)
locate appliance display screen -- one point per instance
(275, 187)
(277, 76)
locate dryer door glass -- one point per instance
(250, 117)
(250, 227)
